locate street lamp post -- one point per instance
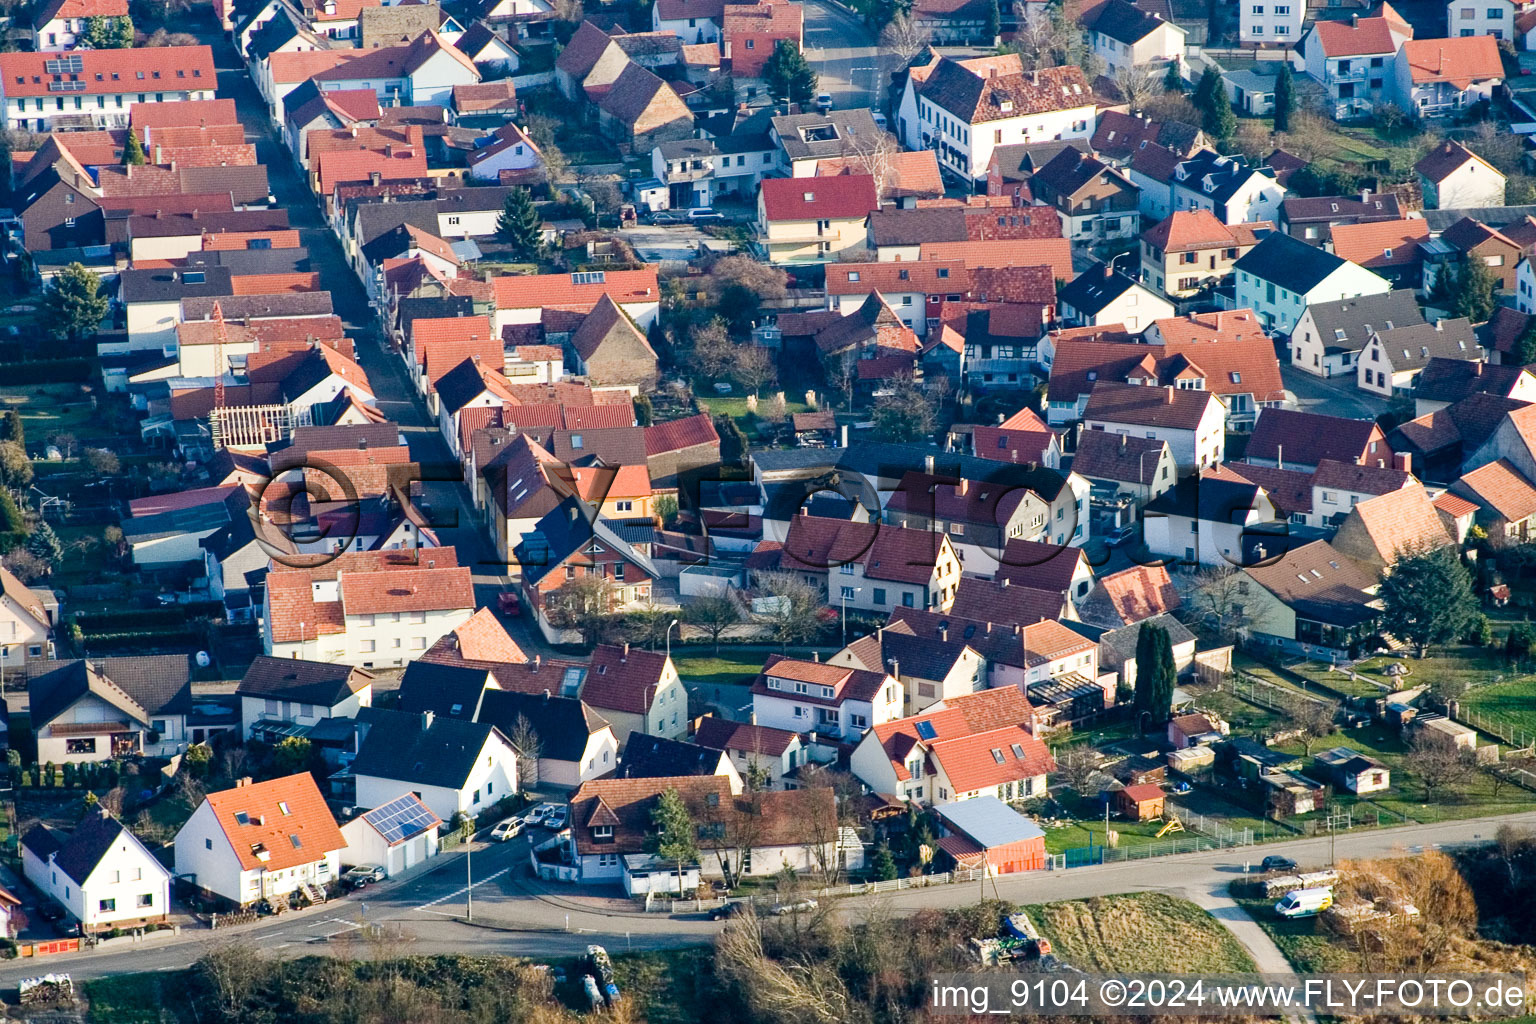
(1116, 259)
(669, 637)
(845, 594)
(469, 876)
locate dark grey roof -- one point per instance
(484, 197)
(1018, 160)
(434, 308)
(1411, 348)
(239, 307)
(779, 460)
(1345, 325)
(336, 437)
(655, 757)
(172, 283)
(1094, 289)
(1493, 216)
(849, 126)
(374, 218)
(452, 691)
(242, 558)
(307, 682)
(1289, 263)
(687, 148)
(893, 461)
(272, 34)
(1225, 174)
(78, 853)
(142, 686)
(419, 749)
(242, 262)
(1125, 22)
(564, 531)
(1123, 640)
(459, 386)
(209, 516)
(562, 724)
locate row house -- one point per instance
(1192, 422)
(1453, 177)
(95, 88)
(572, 543)
(963, 109)
(1313, 219)
(915, 290)
(1329, 336)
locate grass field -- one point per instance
(53, 409)
(130, 998)
(733, 666)
(1088, 828)
(1146, 931)
(1303, 940)
(1512, 703)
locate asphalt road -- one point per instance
(1334, 396)
(842, 50)
(424, 914)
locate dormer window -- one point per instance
(602, 833)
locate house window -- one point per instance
(367, 646)
(418, 617)
(207, 844)
(83, 746)
(880, 596)
(107, 907)
(751, 44)
(146, 900)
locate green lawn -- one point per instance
(1149, 931)
(60, 408)
(1087, 827)
(1512, 703)
(130, 998)
(733, 666)
(1304, 941)
(1474, 666)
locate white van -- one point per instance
(1304, 902)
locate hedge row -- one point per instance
(146, 618)
(177, 638)
(48, 371)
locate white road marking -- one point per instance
(461, 892)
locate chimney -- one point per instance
(375, 178)
(1169, 393)
(354, 131)
(1109, 271)
(1365, 195)
(944, 634)
(1354, 21)
(1402, 461)
(1440, 63)
(426, 720)
(896, 670)
(389, 151)
(1280, 456)
(816, 657)
(1440, 326)
(960, 487)
(752, 718)
(625, 657)
(242, 782)
(1006, 580)
(537, 660)
(546, 693)
(845, 435)
(1123, 439)
(928, 464)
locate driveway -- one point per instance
(443, 485)
(1334, 396)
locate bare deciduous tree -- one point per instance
(755, 368)
(875, 155)
(904, 37)
(1438, 764)
(525, 740)
(1077, 767)
(1315, 719)
(1138, 83)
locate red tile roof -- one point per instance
(926, 276)
(1501, 487)
(339, 166)
(1459, 62)
(1140, 592)
(983, 712)
(1369, 244)
(285, 823)
(1049, 640)
(1055, 253)
(1371, 36)
(407, 590)
(300, 65)
(1186, 230)
(986, 760)
(532, 291)
(184, 114)
(236, 240)
(676, 435)
(845, 197)
(107, 72)
(482, 638)
(906, 174)
(623, 678)
(1454, 506)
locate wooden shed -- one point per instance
(1139, 803)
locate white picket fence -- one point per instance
(856, 889)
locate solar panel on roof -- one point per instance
(400, 819)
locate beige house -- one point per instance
(1191, 249)
(25, 624)
(813, 220)
(636, 692)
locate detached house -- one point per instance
(1281, 277)
(963, 748)
(871, 567)
(26, 623)
(451, 765)
(1126, 36)
(261, 840)
(1314, 600)
(1100, 297)
(566, 545)
(1434, 77)
(838, 703)
(808, 220)
(59, 24)
(1506, 501)
(1330, 335)
(1353, 60)
(756, 750)
(105, 708)
(101, 875)
(1227, 186)
(1392, 359)
(1193, 423)
(282, 697)
(963, 109)
(1453, 177)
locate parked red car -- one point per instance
(508, 603)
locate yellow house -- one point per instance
(812, 220)
(1191, 249)
(619, 492)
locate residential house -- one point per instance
(1312, 219)
(1393, 358)
(1021, 438)
(915, 290)
(1220, 518)
(1118, 137)
(105, 708)
(1470, 239)
(1454, 178)
(1291, 439)
(1227, 186)
(1441, 77)
(284, 697)
(611, 829)
(768, 756)
(1139, 467)
(1002, 345)
(979, 517)
(1506, 501)
(1445, 382)
(804, 140)
(1338, 487)
(750, 32)
(103, 84)
(832, 701)
(820, 220)
(641, 110)
(1061, 676)
(692, 21)
(1271, 23)
(493, 55)
(1439, 443)
(1313, 601)
(451, 765)
(1124, 35)
(1495, 18)
(929, 671)
(1048, 567)
(513, 153)
(374, 608)
(1129, 596)
(26, 623)
(1281, 276)
(973, 746)
(610, 351)
(964, 108)
(1096, 202)
(1152, 169)
(1190, 250)
(1380, 530)
(1387, 248)
(1329, 336)
(100, 873)
(60, 24)
(653, 757)
(522, 298)
(1117, 647)
(948, 22)
(422, 72)
(1100, 296)
(261, 840)
(1353, 59)
(566, 545)
(1192, 422)
(637, 692)
(394, 837)
(870, 567)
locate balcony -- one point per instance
(698, 171)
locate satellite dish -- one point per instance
(203, 660)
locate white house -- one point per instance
(395, 836)
(1125, 36)
(1330, 335)
(1494, 18)
(58, 24)
(366, 608)
(1525, 291)
(1228, 187)
(101, 84)
(636, 691)
(522, 298)
(755, 750)
(1281, 276)
(1445, 76)
(513, 150)
(452, 765)
(276, 693)
(419, 73)
(1352, 60)
(907, 287)
(26, 624)
(963, 109)
(1193, 423)
(1453, 178)
(1215, 520)
(261, 840)
(104, 708)
(808, 696)
(1099, 297)
(99, 873)
(1392, 359)
(1268, 22)
(692, 21)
